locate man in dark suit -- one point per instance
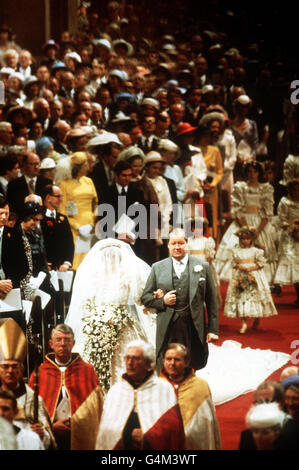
(148, 140)
(5, 284)
(107, 148)
(180, 288)
(56, 230)
(29, 183)
(121, 195)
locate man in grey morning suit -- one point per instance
(180, 288)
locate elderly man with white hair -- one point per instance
(141, 411)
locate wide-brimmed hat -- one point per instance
(27, 113)
(150, 102)
(130, 152)
(185, 128)
(122, 42)
(76, 133)
(153, 157)
(213, 116)
(104, 138)
(102, 42)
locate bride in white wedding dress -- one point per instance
(105, 312)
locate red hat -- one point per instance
(184, 128)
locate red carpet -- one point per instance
(275, 333)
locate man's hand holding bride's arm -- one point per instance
(169, 298)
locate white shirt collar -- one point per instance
(183, 261)
(29, 179)
(49, 213)
(1, 230)
(120, 188)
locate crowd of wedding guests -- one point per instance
(190, 124)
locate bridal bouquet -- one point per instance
(244, 281)
(102, 325)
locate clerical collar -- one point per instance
(60, 364)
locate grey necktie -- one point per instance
(32, 185)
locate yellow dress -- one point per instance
(213, 161)
(79, 203)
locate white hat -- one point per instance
(130, 49)
(103, 139)
(150, 102)
(152, 157)
(102, 42)
(265, 415)
(47, 164)
(121, 74)
(6, 70)
(167, 144)
(73, 55)
(18, 75)
(243, 99)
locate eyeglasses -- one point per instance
(10, 366)
(56, 195)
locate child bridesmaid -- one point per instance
(248, 293)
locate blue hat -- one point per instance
(124, 95)
(293, 380)
(42, 145)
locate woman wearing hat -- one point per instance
(213, 161)
(265, 421)
(25, 256)
(252, 204)
(245, 132)
(78, 203)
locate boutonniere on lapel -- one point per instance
(61, 219)
(50, 223)
(198, 268)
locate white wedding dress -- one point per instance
(111, 274)
(233, 370)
